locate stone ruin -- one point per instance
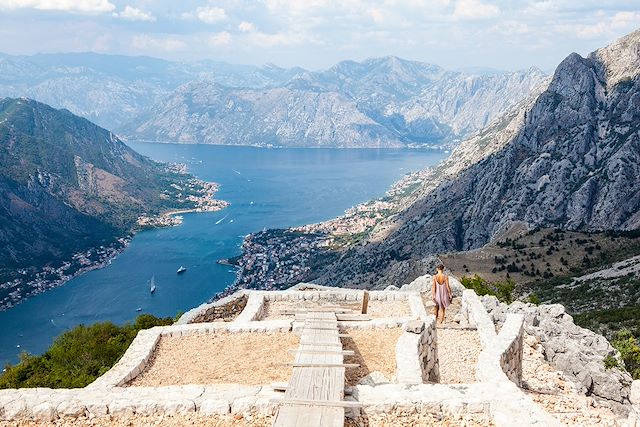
(495, 396)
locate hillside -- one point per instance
(70, 191)
(380, 102)
(571, 163)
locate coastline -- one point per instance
(46, 278)
(280, 258)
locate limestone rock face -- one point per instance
(569, 159)
(577, 352)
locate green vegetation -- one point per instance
(533, 299)
(611, 362)
(501, 290)
(77, 357)
(629, 349)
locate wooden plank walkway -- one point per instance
(314, 395)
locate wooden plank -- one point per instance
(345, 317)
(283, 386)
(323, 365)
(324, 343)
(304, 402)
(342, 352)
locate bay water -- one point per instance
(267, 188)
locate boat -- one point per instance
(139, 309)
(152, 286)
(181, 270)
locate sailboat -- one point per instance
(181, 270)
(152, 286)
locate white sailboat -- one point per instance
(152, 286)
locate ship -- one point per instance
(152, 286)
(181, 270)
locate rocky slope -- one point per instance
(380, 102)
(204, 112)
(569, 160)
(67, 187)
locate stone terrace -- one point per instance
(410, 368)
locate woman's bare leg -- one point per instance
(443, 315)
(436, 312)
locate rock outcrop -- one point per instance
(577, 352)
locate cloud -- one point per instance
(85, 6)
(604, 26)
(134, 14)
(274, 39)
(163, 44)
(222, 38)
(210, 15)
(474, 10)
(246, 27)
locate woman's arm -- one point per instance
(433, 288)
(446, 279)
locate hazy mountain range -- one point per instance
(387, 102)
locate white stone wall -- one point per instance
(417, 353)
(499, 369)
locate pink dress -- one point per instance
(442, 296)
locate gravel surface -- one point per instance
(160, 421)
(408, 418)
(375, 351)
(557, 394)
(458, 352)
(241, 358)
(376, 309)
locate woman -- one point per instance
(441, 291)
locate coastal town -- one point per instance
(194, 194)
(35, 282)
(273, 259)
(276, 259)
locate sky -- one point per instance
(315, 34)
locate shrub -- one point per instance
(77, 357)
(501, 290)
(629, 349)
(533, 299)
(610, 362)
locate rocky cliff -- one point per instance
(381, 102)
(569, 160)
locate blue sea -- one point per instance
(267, 188)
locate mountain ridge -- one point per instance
(401, 102)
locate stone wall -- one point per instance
(226, 309)
(512, 335)
(227, 312)
(417, 353)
